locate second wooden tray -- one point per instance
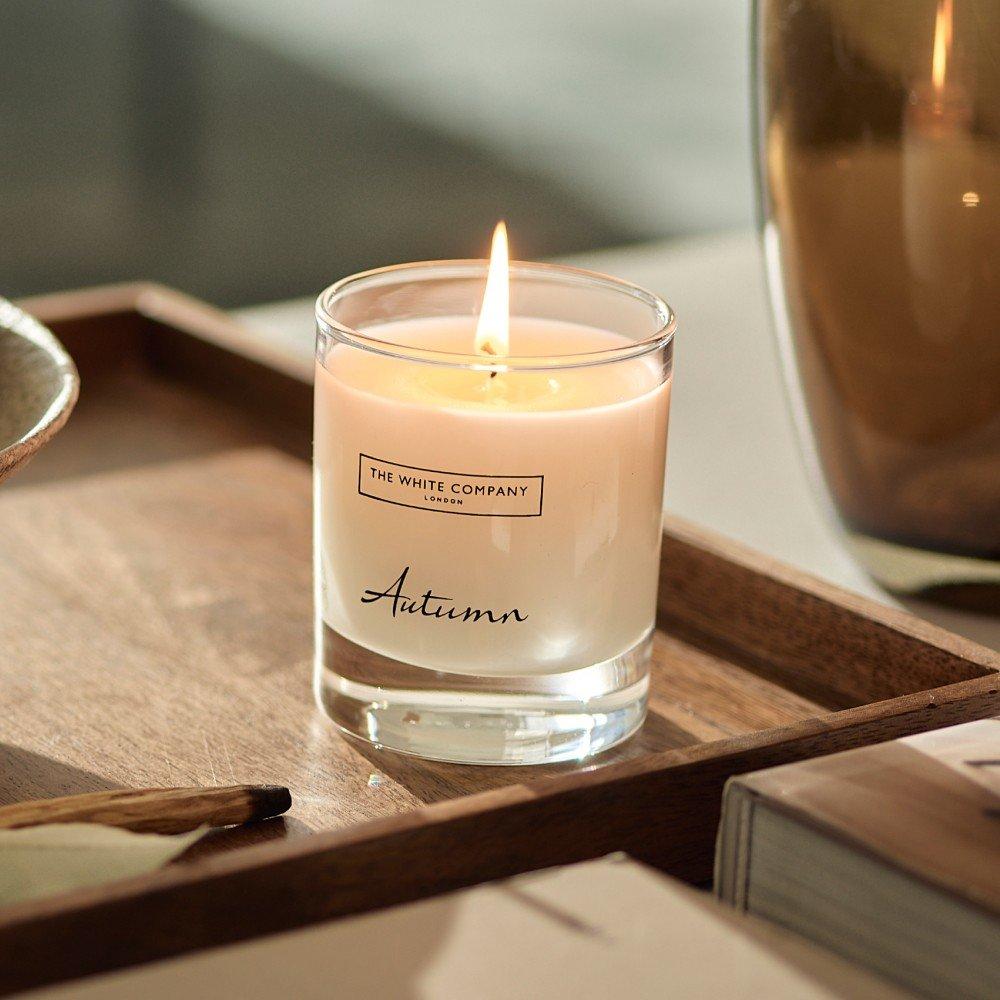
(156, 630)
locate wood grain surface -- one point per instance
(158, 631)
(155, 578)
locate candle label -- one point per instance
(471, 493)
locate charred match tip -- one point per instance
(270, 800)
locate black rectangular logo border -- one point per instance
(445, 472)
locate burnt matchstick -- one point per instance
(154, 810)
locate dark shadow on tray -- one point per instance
(249, 835)
(26, 775)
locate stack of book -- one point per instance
(888, 855)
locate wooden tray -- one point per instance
(155, 573)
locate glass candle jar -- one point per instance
(488, 528)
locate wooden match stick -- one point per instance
(154, 810)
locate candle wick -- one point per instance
(488, 349)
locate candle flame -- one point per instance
(942, 44)
(493, 328)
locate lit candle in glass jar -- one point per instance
(488, 506)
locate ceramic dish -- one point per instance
(39, 385)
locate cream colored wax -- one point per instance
(489, 525)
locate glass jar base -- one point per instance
(959, 581)
(462, 718)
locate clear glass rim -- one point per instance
(665, 320)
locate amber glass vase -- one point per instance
(879, 179)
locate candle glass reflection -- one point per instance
(488, 525)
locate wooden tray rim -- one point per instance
(545, 786)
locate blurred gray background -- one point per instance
(247, 151)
